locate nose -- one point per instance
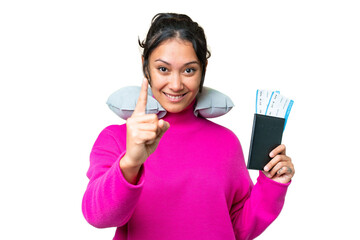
(175, 83)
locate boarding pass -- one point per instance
(272, 103)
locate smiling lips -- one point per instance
(175, 98)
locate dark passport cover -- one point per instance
(266, 135)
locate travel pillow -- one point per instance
(209, 104)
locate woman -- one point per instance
(180, 177)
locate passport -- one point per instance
(271, 113)
(266, 135)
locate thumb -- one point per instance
(163, 127)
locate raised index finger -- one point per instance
(140, 107)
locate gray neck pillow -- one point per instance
(210, 103)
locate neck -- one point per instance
(182, 117)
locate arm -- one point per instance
(254, 208)
(258, 208)
(109, 200)
(112, 195)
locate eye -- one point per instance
(162, 69)
(190, 70)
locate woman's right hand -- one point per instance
(143, 134)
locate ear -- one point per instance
(205, 66)
(145, 70)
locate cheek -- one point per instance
(157, 84)
(193, 84)
(157, 81)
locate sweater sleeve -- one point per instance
(258, 208)
(109, 199)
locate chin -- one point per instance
(174, 109)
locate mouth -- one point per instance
(174, 97)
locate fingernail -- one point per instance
(271, 154)
(266, 168)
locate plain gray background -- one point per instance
(60, 60)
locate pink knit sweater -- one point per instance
(194, 186)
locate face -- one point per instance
(175, 73)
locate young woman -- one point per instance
(180, 177)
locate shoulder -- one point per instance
(217, 128)
(223, 143)
(222, 133)
(115, 129)
(112, 133)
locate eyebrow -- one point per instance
(192, 62)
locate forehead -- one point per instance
(174, 50)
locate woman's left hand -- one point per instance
(280, 168)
